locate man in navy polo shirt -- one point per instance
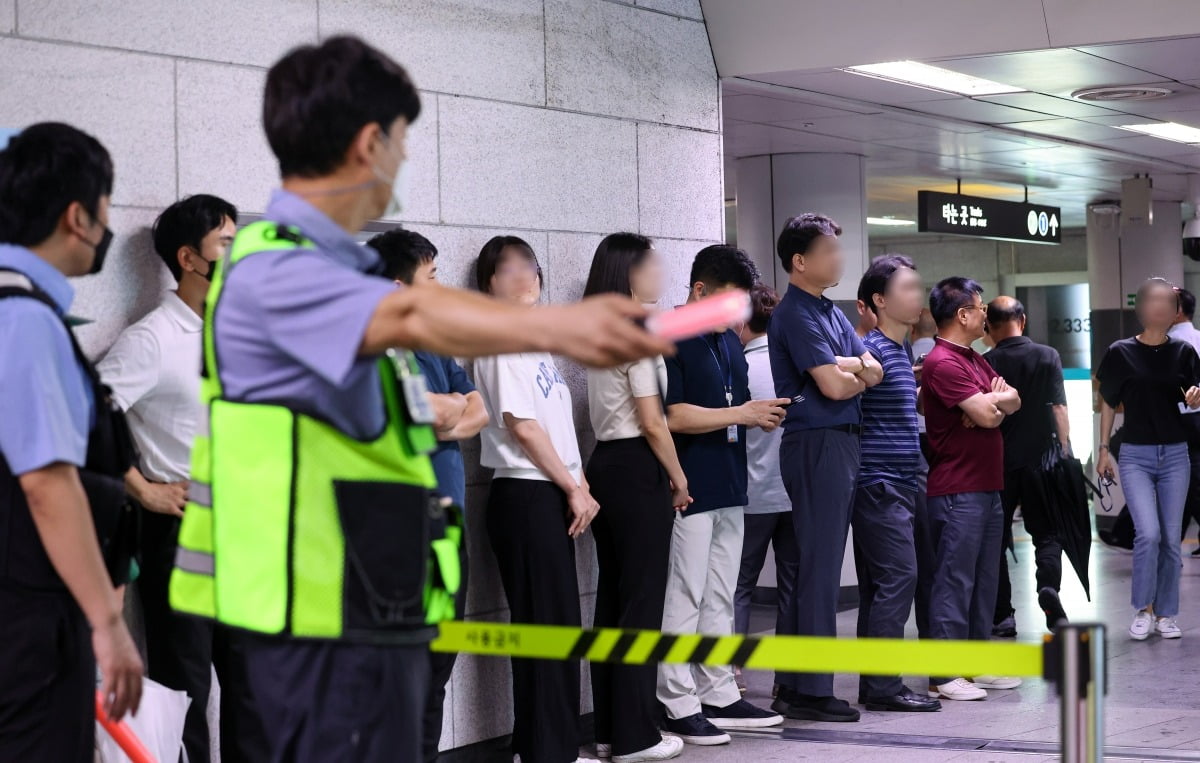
(708, 410)
(821, 366)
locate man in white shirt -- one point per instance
(154, 371)
(1185, 330)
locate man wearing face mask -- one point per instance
(152, 370)
(60, 616)
(310, 526)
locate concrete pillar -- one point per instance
(770, 189)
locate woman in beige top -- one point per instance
(636, 477)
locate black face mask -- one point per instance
(101, 250)
(212, 270)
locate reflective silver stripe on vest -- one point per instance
(195, 561)
(200, 493)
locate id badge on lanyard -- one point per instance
(731, 431)
(414, 386)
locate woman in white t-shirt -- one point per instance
(636, 476)
(539, 504)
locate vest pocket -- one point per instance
(387, 529)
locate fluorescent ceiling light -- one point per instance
(888, 221)
(933, 78)
(1167, 131)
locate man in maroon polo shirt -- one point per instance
(964, 401)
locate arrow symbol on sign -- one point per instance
(1053, 224)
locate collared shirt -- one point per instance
(965, 459)
(920, 347)
(1186, 331)
(290, 324)
(46, 406)
(698, 374)
(154, 371)
(807, 332)
(612, 393)
(1035, 371)
(891, 445)
(445, 376)
(765, 490)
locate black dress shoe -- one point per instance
(906, 701)
(1052, 606)
(803, 707)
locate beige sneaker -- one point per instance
(960, 689)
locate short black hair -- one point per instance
(318, 97)
(763, 301)
(491, 255)
(951, 295)
(879, 275)
(798, 234)
(45, 168)
(403, 251)
(616, 255)
(1187, 303)
(186, 223)
(723, 265)
(996, 314)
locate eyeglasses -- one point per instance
(980, 308)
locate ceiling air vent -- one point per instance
(1121, 93)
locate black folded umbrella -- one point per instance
(1067, 511)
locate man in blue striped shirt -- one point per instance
(886, 497)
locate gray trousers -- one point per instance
(886, 560)
(819, 469)
(967, 528)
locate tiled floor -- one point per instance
(1153, 706)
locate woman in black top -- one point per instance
(1154, 377)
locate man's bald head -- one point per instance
(1005, 318)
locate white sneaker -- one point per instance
(586, 760)
(603, 750)
(996, 682)
(959, 689)
(667, 748)
(1168, 628)
(1143, 623)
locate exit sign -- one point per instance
(988, 218)
(1130, 300)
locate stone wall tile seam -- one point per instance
(128, 51)
(659, 11)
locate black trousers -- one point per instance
(1191, 507)
(924, 546)
(441, 665)
(47, 679)
(527, 524)
(763, 530)
(330, 702)
(1021, 489)
(180, 650)
(633, 546)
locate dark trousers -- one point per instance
(47, 679)
(330, 702)
(633, 546)
(441, 665)
(819, 469)
(967, 528)
(1021, 488)
(182, 651)
(886, 561)
(527, 524)
(1191, 507)
(763, 530)
(925, 549)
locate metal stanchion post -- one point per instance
(1076, 662)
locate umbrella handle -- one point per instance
(122, 734)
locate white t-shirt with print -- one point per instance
(525, 385)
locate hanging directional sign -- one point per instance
(988, 218)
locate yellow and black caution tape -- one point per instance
(798, 654)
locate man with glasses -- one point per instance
(964, 402)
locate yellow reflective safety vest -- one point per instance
(294, 528)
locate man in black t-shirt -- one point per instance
(1040, 426)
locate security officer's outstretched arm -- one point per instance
(60, 510)
(599, 331)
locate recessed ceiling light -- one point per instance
(1108, 94)
(933, 78)
(894, 221)
(1167, 131)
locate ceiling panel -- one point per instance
(974, 110)
(1057, 72)
(1185, 98)
(1048, 104)
(855, 87)
(761, 108)
(950, 144)
(1145, 145)
(1071, 129)
(1172, 59)
(865, 128)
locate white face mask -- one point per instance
(399, 200)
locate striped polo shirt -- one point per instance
(890, 440)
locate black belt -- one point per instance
(847, 428)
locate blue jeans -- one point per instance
(1155, 481)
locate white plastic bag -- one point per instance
(158, 724)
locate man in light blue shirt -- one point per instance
(61, 614)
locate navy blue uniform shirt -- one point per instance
(444, 376)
